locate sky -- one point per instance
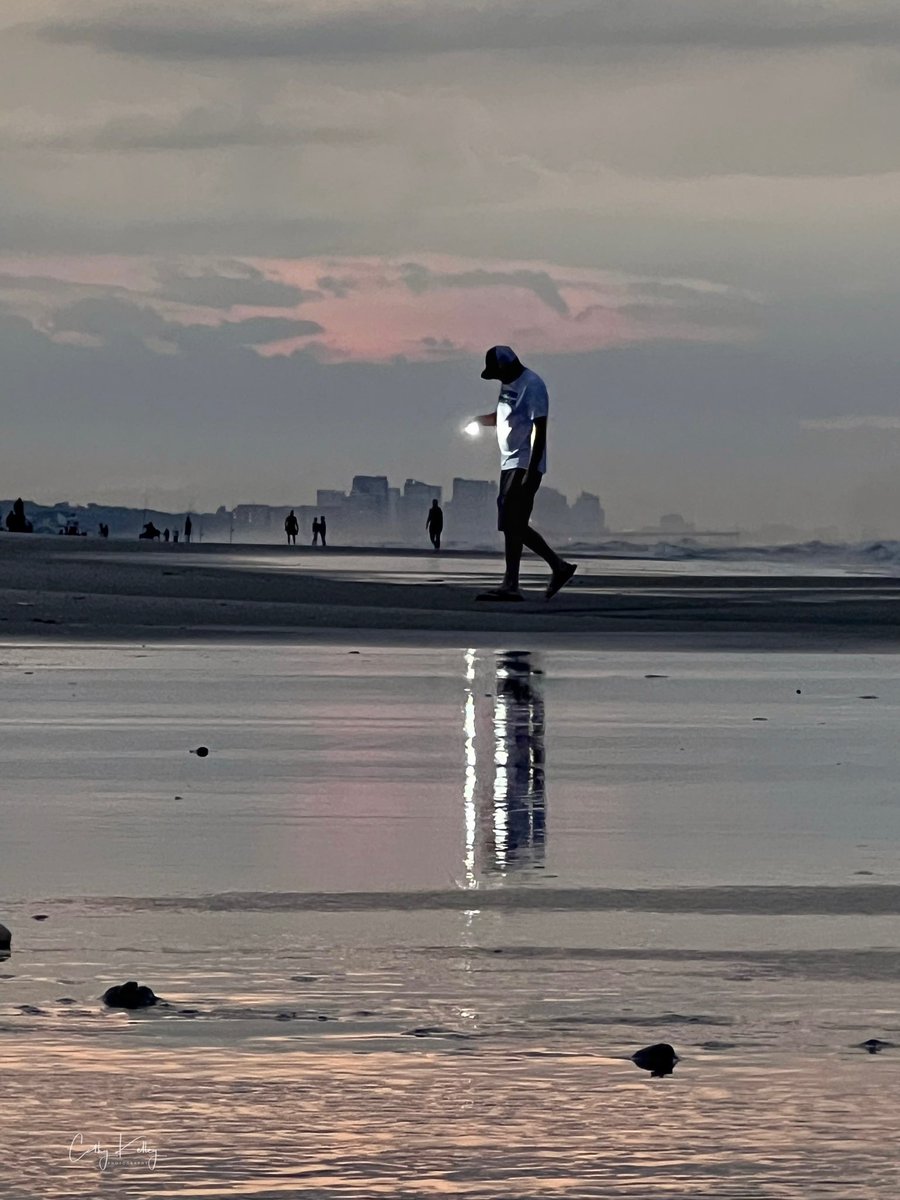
(249, 250)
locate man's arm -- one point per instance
(538, 444)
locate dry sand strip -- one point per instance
(52, 590)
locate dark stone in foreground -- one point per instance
(129, 995)
(5, 938)
(201, 751)
(659, 1060)
(873, 1045)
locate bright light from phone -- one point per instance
(472, 429)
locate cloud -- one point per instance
(442, 347)
(851, 423)
(229, 284)
(368, 309)
(112, 321)
(419, 279)
(389, 28)
(199, 128)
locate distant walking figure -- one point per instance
(188, 528)
(322, 529)
(175, 536)
(521, 423)
(165, 535)
(16, 521)
(434, 523)
(291, 528)
(315, 529)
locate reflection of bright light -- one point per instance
(472, 429)
(470, 665)
(471, 774)
(501, 779)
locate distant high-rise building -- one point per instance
(374, 486)
(551, 510)
(330, 498)
(471, 514)
(253, 518)
(587, 516)
(424, 492)
(674, 523)
(368, 505)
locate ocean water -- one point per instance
(415, 910)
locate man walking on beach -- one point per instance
(434, 523)
(521, 423)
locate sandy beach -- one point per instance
(63, 587)
(440, 875)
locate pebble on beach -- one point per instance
(659, 1059)
(129, 995)
(874, 1045)
(201, 751)
(5, 938)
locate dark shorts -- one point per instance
(516, 500)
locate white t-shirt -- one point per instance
(520, 403)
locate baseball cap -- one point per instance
(496, 357)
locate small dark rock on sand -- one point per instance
(659, 1060)
(129, 995)
(874, 1045)
(5, 938)
(201, 751)
(39, 917)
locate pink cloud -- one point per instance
(433, 306)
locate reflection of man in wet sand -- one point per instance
(504, 792)
(521, 424)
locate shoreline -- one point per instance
(113, 592)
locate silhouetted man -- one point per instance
(188, 528)
(291, 528)
(521, 423)
(322, 529)
(315, 529)
(434, 523)
(16, 521)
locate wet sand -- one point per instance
(130, 591)
(418, 906)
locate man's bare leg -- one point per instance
(535, 542)
(561, 571)
(513, 542)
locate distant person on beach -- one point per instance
(291, 528)
(175, 536)
(315, 529)
(434, 523)
(16, 521)
(521, 423)
(165, 535)
(188, 528)
(322, 529)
